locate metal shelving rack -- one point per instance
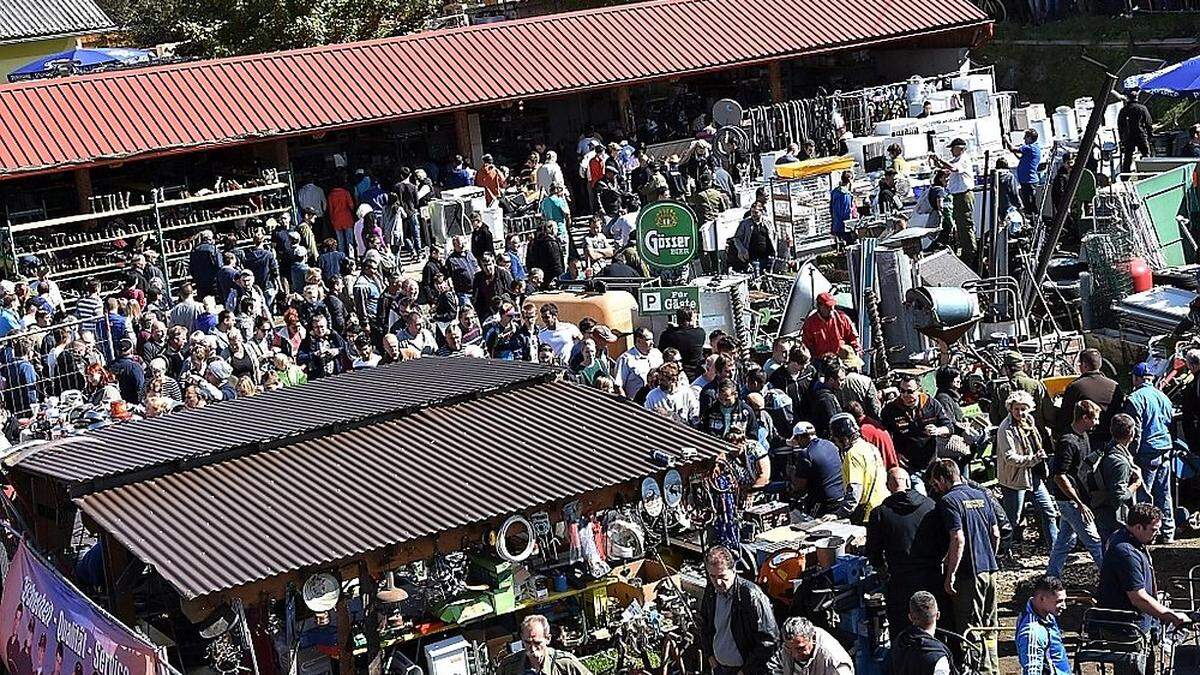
(165, 216)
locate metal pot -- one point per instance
(829, 549)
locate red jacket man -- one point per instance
(490, 179)
(827, 329)
(341, 208)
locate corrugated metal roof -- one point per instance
(214, 432)
(22, 20)
(327, 499)
(86, 119)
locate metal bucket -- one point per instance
(829, 549)
(938, 310)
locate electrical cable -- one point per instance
(502, 539)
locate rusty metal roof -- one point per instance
(26, 20)
(54, 124)
(137, 450)
(328, 499)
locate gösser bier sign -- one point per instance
(667, 236)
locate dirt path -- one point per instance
(1171, 564)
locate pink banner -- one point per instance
(50, 627)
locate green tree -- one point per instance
(214, 28)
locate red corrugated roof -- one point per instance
(83, 120)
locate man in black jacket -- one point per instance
(1134, 127)
(481, 237)
(410, 215)
(727, 411)
(131, 378)
(203, 264)
(824, 403)
(905, 538)
(545, 253)
(689, 338)
(434, 266)
(1092, 385)
(915, 651)
(322, 352)
(1190, 402)
(915, 420)
(795, 379)
(737, 625)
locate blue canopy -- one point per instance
(1180, 79)
(77, 61)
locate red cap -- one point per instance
(827, 300)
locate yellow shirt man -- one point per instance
(863, 467)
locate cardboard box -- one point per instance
(496, 573)
(504, 600)
(649, 575)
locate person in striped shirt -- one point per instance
(91, 306)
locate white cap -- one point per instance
(804, 428)
(220, 369)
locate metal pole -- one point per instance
(1086, 144)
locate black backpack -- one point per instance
(1088, 476)
(1091, 474)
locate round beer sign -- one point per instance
(667, 235)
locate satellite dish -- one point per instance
(673, 489)
(321, 592)
(652, 500)
(727, 112)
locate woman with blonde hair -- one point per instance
(1021, 466)
(157, 406)
(246, 386)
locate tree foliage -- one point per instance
(213, 28)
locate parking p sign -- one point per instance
(668, 300)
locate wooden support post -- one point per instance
(775, 80)
(116, 563)
(368, 587)
(344, 645)
(462, 135)
(277, 152)
(625, 110)
(83, 189)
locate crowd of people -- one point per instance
(807, 426)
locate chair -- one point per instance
(1110, 637)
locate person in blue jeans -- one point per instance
(841, 207)
(1154, 413)
(1068, 486)
(1029, 161)
(1021, 465)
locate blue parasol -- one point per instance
(1179, 80)
(78, 61)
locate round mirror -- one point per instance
(672, 489)
(652, 500)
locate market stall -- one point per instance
(99, 243)
(430, 526)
